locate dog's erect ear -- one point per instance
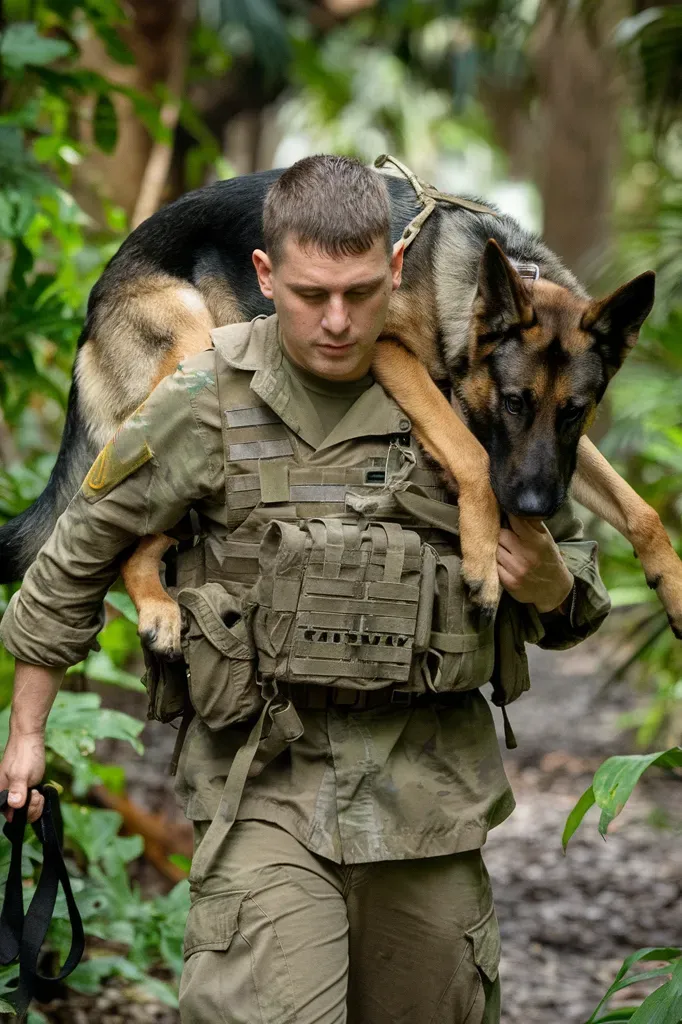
(506, 301)
(616, 320)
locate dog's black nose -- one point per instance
(532, 503)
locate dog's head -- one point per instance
(538, 363)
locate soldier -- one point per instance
(337, 872)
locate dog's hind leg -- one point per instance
(163, 306)
(598, 487)
(449, 441)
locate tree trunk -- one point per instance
(151, 39)
(580, 94)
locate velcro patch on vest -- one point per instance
(251, 416)
(117, 460)
(247, 450)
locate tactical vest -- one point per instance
(338, 570)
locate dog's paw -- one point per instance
(664, 575)
(670, 595)
(159, 628)
(484, 589)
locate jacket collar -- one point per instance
(256, 348)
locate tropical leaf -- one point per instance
(22, 46)
(613, 784)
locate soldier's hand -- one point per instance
(22, 766)
(530, 565)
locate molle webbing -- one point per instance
(268, 464)
(340, 605)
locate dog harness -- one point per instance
(428, 196)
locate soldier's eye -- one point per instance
(513, 404)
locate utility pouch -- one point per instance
(220, 656)
(166, 683)
(461, 654)
(341, 604)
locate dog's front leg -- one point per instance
(158, 614)
(448, 440)
(598, 487)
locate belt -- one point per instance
(309, 697)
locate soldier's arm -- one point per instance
(163, 460)
(23, 759)
(155, 468)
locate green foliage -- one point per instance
(128, 936)
(611, 788)
(664, 1006)
(613, 784)
(76, 723)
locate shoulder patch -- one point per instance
(117, 460)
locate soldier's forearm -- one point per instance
(35, 688)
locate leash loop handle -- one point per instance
(22, 934)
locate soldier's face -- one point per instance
(331, 308)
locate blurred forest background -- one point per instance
(567, 113)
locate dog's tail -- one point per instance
(22, 537)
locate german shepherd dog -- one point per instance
(526, 362)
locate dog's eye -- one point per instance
(513, 404)
(572, 413)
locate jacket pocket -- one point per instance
(485, 940)
(220, 656)
(461, 653)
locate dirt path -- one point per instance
(567, 922)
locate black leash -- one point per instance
(21, 936)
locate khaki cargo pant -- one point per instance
(277, 935)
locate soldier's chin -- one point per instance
(339, 361)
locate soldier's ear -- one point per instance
(263, 265)
(502, 298)
(615, 321)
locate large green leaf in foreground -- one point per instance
(613, 784)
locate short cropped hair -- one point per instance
(331, 203)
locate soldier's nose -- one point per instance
(335, 320)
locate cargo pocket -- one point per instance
(234, 960)
(485, 941)
(212, 922)
(220, 656)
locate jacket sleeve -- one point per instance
(154, 469)
(589, 600)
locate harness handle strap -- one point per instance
(22, 936)
(427, 197)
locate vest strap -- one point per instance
(461, 643)
(285, 728)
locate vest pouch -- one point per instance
(337, 603)
(461, 654)
(220, 657)
(166, 683)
